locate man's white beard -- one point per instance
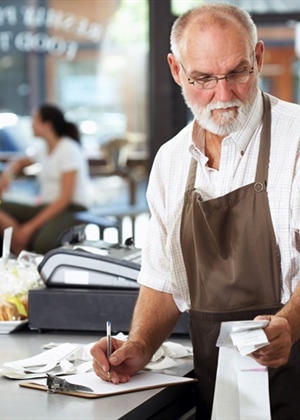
(226, 122)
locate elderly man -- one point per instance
(223, 239)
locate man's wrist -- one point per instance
(139, 343)
(294, 334)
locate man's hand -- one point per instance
(154, 317)
(279, 336)
(126, 359)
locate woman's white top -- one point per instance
(67, 156)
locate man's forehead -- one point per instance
(215, 61)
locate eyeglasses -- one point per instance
(209, 82)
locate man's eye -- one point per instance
(205, 79)
(237, 74)
(234, 73)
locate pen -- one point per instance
(108, 336)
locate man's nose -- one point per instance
(223, 91)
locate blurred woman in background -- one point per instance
(63, 181)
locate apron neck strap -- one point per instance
(265, 141)
(190, 182)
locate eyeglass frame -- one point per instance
(198, 86)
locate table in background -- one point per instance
(18, 403)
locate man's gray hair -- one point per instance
(222, 14)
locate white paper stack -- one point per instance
(242, 387)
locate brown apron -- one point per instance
(233, 269)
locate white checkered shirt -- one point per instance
(162, 262)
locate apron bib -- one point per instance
(233, 270)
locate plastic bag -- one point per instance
(17, 276)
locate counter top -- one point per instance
(18, 403)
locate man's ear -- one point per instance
(259, 54)
(175, 68)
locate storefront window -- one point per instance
(87, 56)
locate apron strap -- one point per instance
(264, 147)
(190, 182)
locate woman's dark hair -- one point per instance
(61, 126)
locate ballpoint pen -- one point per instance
(108, 336)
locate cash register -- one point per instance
(87, 283)
(92, 264)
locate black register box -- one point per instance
(87, 284)
(85, 310)
(80, 309)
